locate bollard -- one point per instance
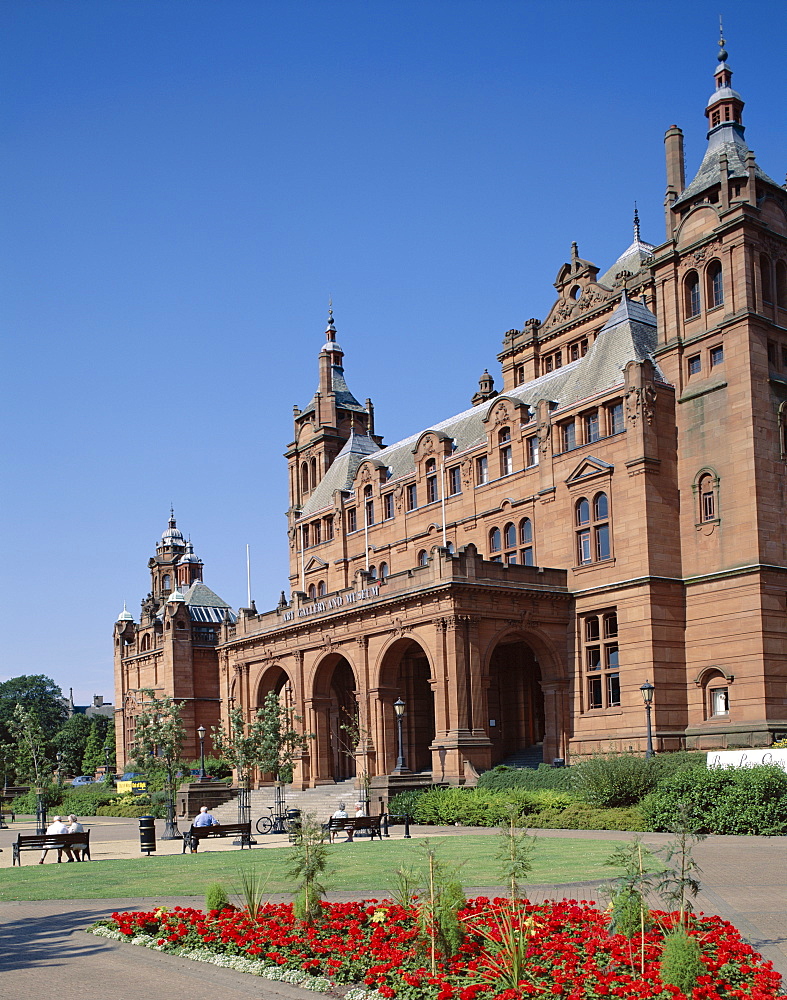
(407, 827)
(147, 834)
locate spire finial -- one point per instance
(171, 515)
(330, 330)
(574, 251)
(636, 223)
(722, 56)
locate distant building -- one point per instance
(612, 514)
(99, 706)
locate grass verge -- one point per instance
(366, 868)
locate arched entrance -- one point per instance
(336, 708)
(406, 674)
(277, 680)
(515, 699)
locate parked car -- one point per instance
(83, 779)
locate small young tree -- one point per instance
(308, 864)
(33, 759)
(240, 749)
(679, 884)
(439, 902)
(354, 736)
(515, 853)
(158, 744)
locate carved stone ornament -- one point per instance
(327, 642)
(641, 399)
(700, 254)
(502, 415)
(399, 627)
(590, 297)
(366, 475)
(399, 498)
(543, 437)
(467, 472)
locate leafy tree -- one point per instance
(679, 883)
(70, 743)
(281, 745)
(102, 734)
(34, 692)
(158, 744)
(308, 863)
(33, 760)
(515, 853)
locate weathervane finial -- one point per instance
(636, 223)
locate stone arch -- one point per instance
(275, 678)
(405, 671)
(518, 665)
(335, 704)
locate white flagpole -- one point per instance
(248, 577)
(366, 534)
(442, 500)
(303, 563)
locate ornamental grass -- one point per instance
(554, 949)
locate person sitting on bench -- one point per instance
(203, 818)
(74, 826)
(57, 826)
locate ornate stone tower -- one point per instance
(721, 287)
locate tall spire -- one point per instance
(636, 224)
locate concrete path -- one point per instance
(44, 950)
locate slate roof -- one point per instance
(725, 138)
(205, 606)
(344, 398)
(632, 259)
(628, 335)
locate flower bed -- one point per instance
(570, 953)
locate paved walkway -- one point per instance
(44, 950)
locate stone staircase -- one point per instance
(530, 757)
(321, 802)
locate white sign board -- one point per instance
(747, 758)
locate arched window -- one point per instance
(321, 589)
(716, 695)
(691, 290)
(145, 642)
(314, 472)
(706, 491)
(383, 571)
(509, 543)
(593, 536)
(765, 278)
(423, 557)
(372, 572)
(431, 481)
(715, 285)
(526, 540)
(368, 504)
(304, 478)
(506, 454)
(494, 540)
(166, 582)
(312, 592)
(781, 284)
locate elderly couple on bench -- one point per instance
(58, 826)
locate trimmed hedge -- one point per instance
(560, 779)
(741, 800)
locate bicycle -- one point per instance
(273, 824)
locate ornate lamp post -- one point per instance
(201, 734)
(399, 707)
(106, 763)
(59, 756)
(647, 690)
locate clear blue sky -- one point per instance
(186, 182)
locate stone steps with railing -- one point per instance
(321, 802)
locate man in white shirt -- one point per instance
(74, 826)
(56, 826)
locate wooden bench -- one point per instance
(51, 842)
(195, 834)
(353, 825)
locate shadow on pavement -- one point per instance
(32, 941)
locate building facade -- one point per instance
(611, 514)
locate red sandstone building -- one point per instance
(612, 514)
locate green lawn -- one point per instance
(363, 867)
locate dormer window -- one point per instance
(506, 455)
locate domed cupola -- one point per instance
(125, 615)
(189, 567)
(172, 537)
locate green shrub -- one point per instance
(558, 778)
(615, 779)
(404, 803)
(580, 816)
(216, 898)
(738, 800)
(680, 960)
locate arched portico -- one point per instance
(405, 673)
(515, 700)
(334, 706)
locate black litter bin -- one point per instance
(147, 834)
(293, 822)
